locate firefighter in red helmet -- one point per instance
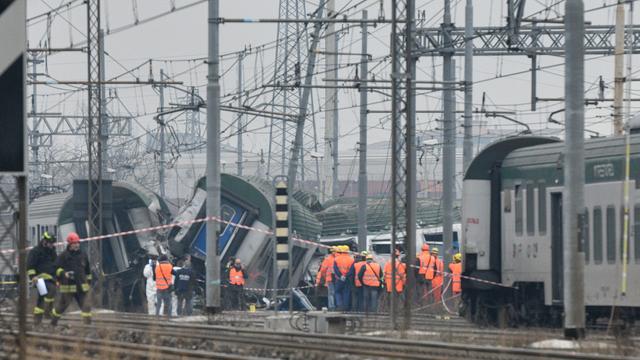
(74, 275)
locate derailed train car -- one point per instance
(132, 207)
(248, 202)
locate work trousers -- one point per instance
(370, 299)
(237, 296)
(152, 298)
(386, 304)
(436, 285)
(358, 292)
(343, 295)
(423, 286)
(164, 297)
(331, 296)
(185, 306)
(64, 300)
(44, 304)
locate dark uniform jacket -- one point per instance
(184, 281)
(42, 262)
(78, 263)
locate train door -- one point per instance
(557, 266)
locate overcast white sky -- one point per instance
(183, 35)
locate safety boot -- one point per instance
(37, 319)
(54, 320)
(86, 320)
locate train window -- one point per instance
(597, 235)
(542, 208)
(611, 234)
(531, 220)
(507, 201)
(636, 232)
(519, 210)
(585, 236)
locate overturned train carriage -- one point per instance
(247, 208)
(131, 208)
(512, 230)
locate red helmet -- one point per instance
(73, 238)
(425, 247)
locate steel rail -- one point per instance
(350, 344)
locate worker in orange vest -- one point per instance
(164, 284)
(456, 270)
(237, 276)
(370, 276)
(438, 275)
(421, 264)
(325, 275)
(341, 280)
(401, 275)
(360, 261)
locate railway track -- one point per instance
(49, 346)
(144, 335)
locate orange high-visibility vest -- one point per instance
(438, 277)
(401, 275)
(343, 263)
(357, 266)
(430, 268)
(326, 270)
(456, 271)
(371, 275)
(236, 277)
(424, 260)
(163, 275)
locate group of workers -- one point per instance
(361, 279)
(59, 279)
(169, 288)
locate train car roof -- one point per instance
(496, 152)
(551, 153)
(46, 209)
(341, 217)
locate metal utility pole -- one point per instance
(411, 162)
(363, 190)
(22, 265)
(94, 140)
(104, 121)
(240, 116)
(212, 263)
(467, 149)
(162, 140)
(292, 38)
(34, 136)
(449, 137)
(625, 234)
(403, 159)
(573, 207)
(618, 87)
(396, 157)
(304, 102)
(331, 108)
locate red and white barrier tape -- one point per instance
(241, 226)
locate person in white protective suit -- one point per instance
(148, 272)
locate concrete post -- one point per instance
(363, 190)
(573, 200)
(212, 263)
